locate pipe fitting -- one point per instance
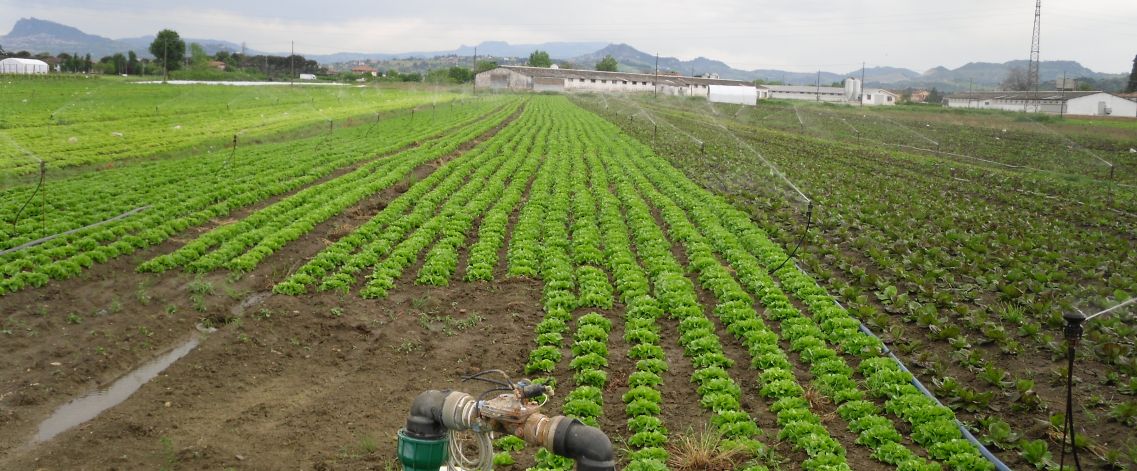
(423, 423)
(588, 446)
(539, 429)
(459, 411)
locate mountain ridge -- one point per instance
(38, 35)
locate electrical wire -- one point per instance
(479, 377)
(458, 458)
(484, 460)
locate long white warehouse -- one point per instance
(1054, 102)
(540, 79)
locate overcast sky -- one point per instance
(801, 35)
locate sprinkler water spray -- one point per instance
(428, 439)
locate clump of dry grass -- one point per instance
(706, 451)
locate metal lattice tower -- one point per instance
(1032, 69)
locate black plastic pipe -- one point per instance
(425, 421)
(588, 446)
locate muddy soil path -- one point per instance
(318, 380)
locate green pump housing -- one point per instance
(422, 455)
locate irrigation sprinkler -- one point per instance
(1073, 333)
(431, 438)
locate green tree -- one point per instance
(119, 63)
(2, 52)
(168, 49)
(540, 58)
(934, 96)
(459, 74)
(484, 66)
(1132, 87)
(198, 58)
(131, 62)
(608, 63)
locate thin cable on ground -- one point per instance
(39, 187)
(72, 231)
(808, 220)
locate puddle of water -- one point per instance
(253, 300)
(91, 405)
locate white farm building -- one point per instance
(16, 65)
(540, 79)
(1053, 102)
(851, 93)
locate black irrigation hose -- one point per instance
(30, 198)
(808, 220)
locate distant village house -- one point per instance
(364, 70)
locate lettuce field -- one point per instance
(352, 247)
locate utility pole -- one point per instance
(860, 93)
(166, 60)
(474, 89)
(970, 91)
(291, 64)
(818, 95)
(1032, 69)
(1062, 105)
(657, 75)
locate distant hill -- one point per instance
(987, 73)
(980, 75)
(631, 59)
(556, 50)
(36, 35)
